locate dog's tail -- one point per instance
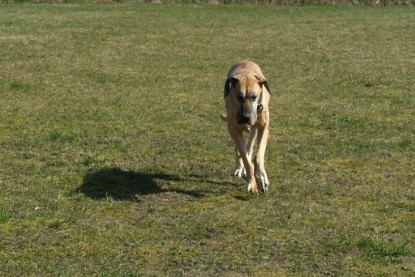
(224, 117)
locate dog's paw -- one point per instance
(262, 181)
(240, 172)
(253, 188)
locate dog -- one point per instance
(247, 96)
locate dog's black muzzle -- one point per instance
(248, 118)
(243, 119)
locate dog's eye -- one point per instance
(240, 97)
(252, 97)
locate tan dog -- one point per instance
(247, 96)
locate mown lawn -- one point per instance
(114, 161)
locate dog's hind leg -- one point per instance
(251, 143)
(240, 168)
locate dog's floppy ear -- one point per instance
(229, 84)
(263, 82)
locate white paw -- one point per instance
(262, 181)
(252, 188)
(240, 172)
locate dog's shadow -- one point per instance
(122, 185)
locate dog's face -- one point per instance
(246, 93)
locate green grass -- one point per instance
(114, 161)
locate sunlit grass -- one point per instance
(114, 161)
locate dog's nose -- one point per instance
(244, 118)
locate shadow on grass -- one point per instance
(124, 185)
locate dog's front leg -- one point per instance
(260, 173)
(239, 141)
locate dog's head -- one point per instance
(246, 91)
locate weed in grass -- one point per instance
(19, 85)
(382, 249)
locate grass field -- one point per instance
(114, 161)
